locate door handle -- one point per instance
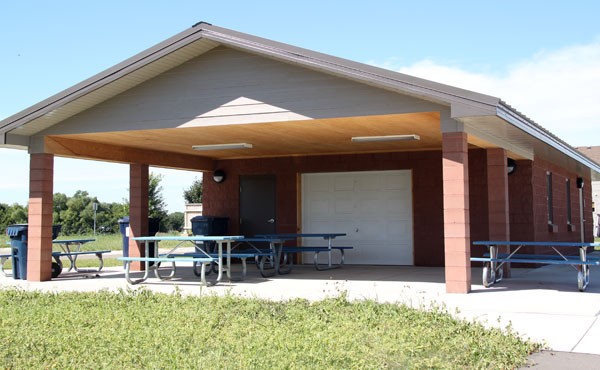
(271, 220)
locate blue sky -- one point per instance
(542, 57)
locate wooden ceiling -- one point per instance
(272, 139)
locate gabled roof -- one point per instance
(203, 36)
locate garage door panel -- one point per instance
(373, 208)
(319, 184)
(366, 182)
(344, 204)
(397, 181)
(343, 183)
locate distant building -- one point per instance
(593, 152)
(191, 210)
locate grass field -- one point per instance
(111, 242)
(143, 330)
(108, 262)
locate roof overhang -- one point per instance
(465, 106)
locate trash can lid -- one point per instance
(124, 220)
(14, 230)
(205, 218)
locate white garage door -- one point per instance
(374, 209)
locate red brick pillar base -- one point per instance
(138, 211)
(457, 243)
(39, 234)
(498, 209)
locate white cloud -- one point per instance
(559, 90)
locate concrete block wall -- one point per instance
(223, 199)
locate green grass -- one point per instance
(143, 330)
(111, 242)
(108, 262)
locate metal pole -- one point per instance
(95, 207)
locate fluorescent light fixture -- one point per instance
(368, 139)
(222, 146)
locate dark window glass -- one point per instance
(568, 201)
(550, 210)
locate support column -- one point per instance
(138, 211)
(498, 208)
(39, 234)
(457, 239)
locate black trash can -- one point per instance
(153, 227)
(209, 225)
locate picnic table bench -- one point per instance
(285, 251)
(3, 259)
(494, 261)
(65, 246)
(203, 261)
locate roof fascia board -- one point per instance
(129, 65)
(10, 141)
(372, 75)
(536, 131)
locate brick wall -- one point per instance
(540, 204)
(528, 213)
(223, 199)
(478, 207)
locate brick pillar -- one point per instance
(498, 209)
(39, 235)
(457, 243)
(138, 211)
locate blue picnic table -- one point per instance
(202, 256)
(494, 261)
(329, 237)
(66, 246)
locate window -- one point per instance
(550, 210)
(568, 202)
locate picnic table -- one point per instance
(172, 257)
(66, 251)
(494, 261)
(71, 253)
(329, 248)
(265, 259)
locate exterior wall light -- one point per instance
(219, 176)
(511, 165)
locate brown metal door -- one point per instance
(258, 205)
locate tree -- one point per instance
(156, 203)
(194, 193)
(174, 221)
(13, 214)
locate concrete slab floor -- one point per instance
(542, 304)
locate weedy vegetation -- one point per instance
(144, 330)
